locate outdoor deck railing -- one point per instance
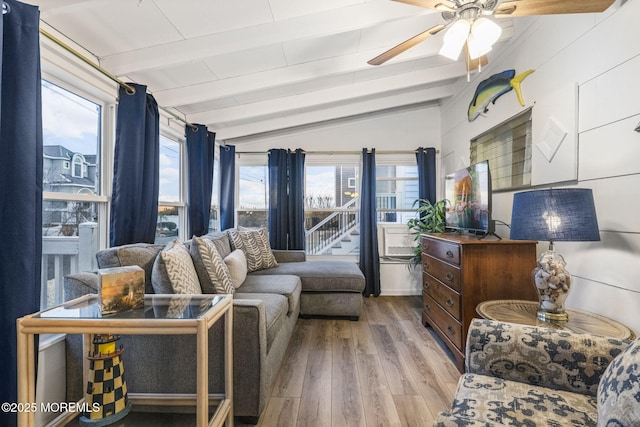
(332, 229)
(62, 255)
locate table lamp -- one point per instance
(554, 215)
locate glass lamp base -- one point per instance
(552, 282)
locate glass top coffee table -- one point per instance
(525, 313)
(161, 314)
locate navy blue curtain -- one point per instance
(227, 183)
(286, 199)
(134, 208)
(296, 200)
(426, 158)
(20, 184)
(369, 256)
(278, 198)
(200, 152)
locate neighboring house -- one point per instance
(67, 172)
(345, 184)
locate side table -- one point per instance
(580, 321)
(161, 314)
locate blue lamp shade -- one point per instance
(554, 215)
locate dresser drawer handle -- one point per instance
(449, 254)
(426, 285)
(449, 302)
(451, 330)
(427, 307)
(426, 264)
(449, 276)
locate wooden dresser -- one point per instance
(461, 271)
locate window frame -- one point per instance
(383, 159)
(250, 159)
(508, 125)
(104, 151)
(104, 162)
(181, 203)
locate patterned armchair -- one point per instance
(533, 376)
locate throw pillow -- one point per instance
(255, 245)
(213, 273)
(173, 271)
(237, 264)
(619, 390)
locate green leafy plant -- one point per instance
(429, 218)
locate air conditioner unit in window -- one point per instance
(396, 241)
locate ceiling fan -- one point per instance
(470, 28)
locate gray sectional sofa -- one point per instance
(266, 307)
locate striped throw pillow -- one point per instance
(213, 273)
(255, 245)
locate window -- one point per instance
(253, 196)
(77, 166)
(170, 206)
(214, 215)
(332, 205)
(396, 190)
(167, 223)
(71, 138)
(169, 188)
(332, 198)
(507, 147)
(72, 204)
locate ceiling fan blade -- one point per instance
(430, 4)
(550, 7)
(407, 44)
(474, 64)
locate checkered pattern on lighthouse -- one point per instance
(107, 387)
(106, 393)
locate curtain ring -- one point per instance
(130, 90)
(5, 8)
(193, 127)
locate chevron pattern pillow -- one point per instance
(214, 274)
(255, 245)
(173, 271)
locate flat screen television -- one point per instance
(468, 194)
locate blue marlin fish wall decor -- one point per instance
(493, 88)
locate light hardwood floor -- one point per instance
(387, 370)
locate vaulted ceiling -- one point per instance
(251, 66)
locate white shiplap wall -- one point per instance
(586, 80)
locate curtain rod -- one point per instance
(341, 152)
(130, 89)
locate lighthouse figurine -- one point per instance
(106, 394)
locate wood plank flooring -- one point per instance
(384, 370)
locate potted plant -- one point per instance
(429, 218)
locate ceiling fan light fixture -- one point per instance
(454, 39)
(487, 30)
(483, 34)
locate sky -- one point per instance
(169, 190)
(69, 120)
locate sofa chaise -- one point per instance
(534, 376)
(267, 303)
